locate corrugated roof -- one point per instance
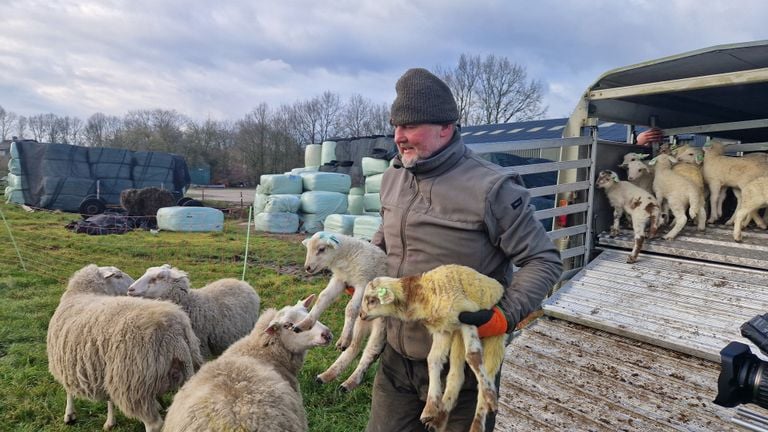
(562, 376)
(533, 130)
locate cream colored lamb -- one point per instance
(639, 173)
(436, 298)
(253, 385)
(354, 263)
(754, 195)
(679, 193)
(640, 205)
(103, 345)
(725, 171)
(221, 312)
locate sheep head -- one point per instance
(159, 282)
(282, 327)
(629, 157)
(99, 280)
(688, 154)
(320, 249)
(380, 298)
(606, 179)
(637, 169)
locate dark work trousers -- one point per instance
(400, 393)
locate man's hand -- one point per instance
(650, 136)
(489, 322)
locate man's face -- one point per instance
(420, 141)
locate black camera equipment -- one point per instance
(743, 375)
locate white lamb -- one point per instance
(725, 171)
(640, 205)
(639, 173)
(436, 298)
(252, 386)
(354, 263)
(754, 195)
(103, 345)
(679, 193)
(221, 312)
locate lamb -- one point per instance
(636, 202)
(754, 196)
(354, 263)
(690, 160)
(679, 193)
(720, 170)
(252, 386)
(221, 312)
(103, 345)
(639, 173)
(436, 298)
(145, 201)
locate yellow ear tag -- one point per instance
(381, 293)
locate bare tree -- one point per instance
(463, 82)
(22, 123)
(101, 130)
(7, 122)
(505, 94)
(330, 110)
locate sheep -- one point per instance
(221, 312)
(636, 202)
(720, 170)
(354, 262)
(145, 201)
(754, 196)
(639, 172)
(436, 298)
(103, 345)
(679, 193)
(252, 386)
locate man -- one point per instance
(442, 204)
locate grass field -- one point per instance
(33, 274)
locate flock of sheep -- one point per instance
(127, 342)
(680, 180)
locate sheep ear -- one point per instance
(305, 242)
(652, 161)
(672, 159)
(699, 158)
(615, 177)
(272, 329)
(642, 156)
(307, 302)
(165, 266)
(385, 295)
(106, 272)
(333, 240)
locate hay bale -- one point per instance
(146, 201)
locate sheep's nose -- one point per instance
(308, 269)
(327, 336)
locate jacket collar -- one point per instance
(440, 162)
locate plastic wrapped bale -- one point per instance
(356, 204)
(279, 223)
(340, 223)
(326, 181)
(14, 166)
(277, 203)
(373, 183)
(317, 205)
(372, 202)
(298, 171)
(313, 155)
(274, 184)
(328, 152)
(373, 166)
(357, 190)
(366, 226)
(190, 219)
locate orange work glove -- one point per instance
(489, 322)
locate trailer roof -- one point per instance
(716, 85)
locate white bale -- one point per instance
(366, 226)
(288, 203)
(311, 222)
(313, 155)
(357, 190)
(306, 169)
(373, 166)
(323, 202)
(190, 219)
(326, 181)
(340, 223)
(373, 183)
(328, 152)
(372, 202)
(14, 166)
(280, 223)
(272, 184)
(356, 204)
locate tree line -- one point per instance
(266, 140)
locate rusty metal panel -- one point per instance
(562, 376)
(716, 244)
(684, 305)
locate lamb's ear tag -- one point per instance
(652, 161)
(385, 296)
(615, 178)
(699, 158)
(642, 156)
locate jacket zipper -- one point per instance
(403, 244)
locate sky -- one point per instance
(221, 59)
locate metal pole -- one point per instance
(247, 242)
(18, 253)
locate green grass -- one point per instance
(31, 400)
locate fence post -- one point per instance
(18, 253)
(247, 242)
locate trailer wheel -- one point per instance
(92, 206)
(183, 201)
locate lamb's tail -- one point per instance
(493, 354)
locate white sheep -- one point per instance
(436, 298)
(354, 263)
(640, 205)
(725, 171)
(679, 193)
(639, 173)
(252, 386)
(754, 196)
(221, 312)
(103, 345)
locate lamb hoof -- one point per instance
(319, 379)
(478, 425)
(430, 413)
(438, 423)
(342, 344)
(344, 389)
(631, 260)
(69, 418)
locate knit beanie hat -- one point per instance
(422, 98)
